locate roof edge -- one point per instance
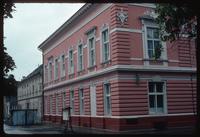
(73, 17)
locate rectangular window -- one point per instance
(105, 46)
(71, 62)
(46, 73)
(64, 100)
(56, 69)
(80, 57)
(50, 104)
(62, 65)
(57, 104)
(152, 41)
(156, 97)
(81, 99)
(107, 99)
(50, 71)
(92, 53)
(72, 101)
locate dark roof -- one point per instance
(38, 70)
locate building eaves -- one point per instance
(65, 25)
(38, 70)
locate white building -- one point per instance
(29, 92)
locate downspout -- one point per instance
(42, 117)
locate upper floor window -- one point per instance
(105, 45)
(80, 57)
(107, 99)
(50, 71)
(91, 42)
(56, 69)
(156, 97)
(71, 62)
(45, 73)
(153, 41)
(62, 65)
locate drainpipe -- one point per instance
(42, 117)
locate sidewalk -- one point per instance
(170, 131)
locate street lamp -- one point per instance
(67, 118)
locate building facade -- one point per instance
(101, 63)
(30, 93)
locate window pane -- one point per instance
(150, 44)
(156, 43)
(149, 33)
(152, 101)
(155, 33)
(150, 52)
(151, 87)
(160, 101)
(160, 107)
(108, 104)
(159, 87)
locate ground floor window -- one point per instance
(107, 99)
(156, 97)
(81, 98)
(72, 101)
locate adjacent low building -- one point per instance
(29, 92)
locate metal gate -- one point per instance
(24, 117)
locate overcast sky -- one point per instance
(30, 26)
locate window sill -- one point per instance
(80, 71)
(106, 62)
(156, 60)
(92, 67)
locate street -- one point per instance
(56, 129)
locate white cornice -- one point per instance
(148, 5)
(126, 30)
(124, 68)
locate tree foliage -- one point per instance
(176, 20)
(8, 8)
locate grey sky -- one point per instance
(30, 26)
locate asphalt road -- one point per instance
(56, 129)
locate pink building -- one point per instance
(101, 63)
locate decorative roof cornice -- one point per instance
(65, 25)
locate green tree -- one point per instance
(176, 20)
(6, 61)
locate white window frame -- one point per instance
(80, 67)
(64, 100)
(62, 65)
(50, 66)
(72, 101)
(90, 36)
(155, 94)
(56, 69)
(70, 62)
(50, 104)
(105, 28)
(45, 73)
(152, 24)
(81, 101)
(57, 103)
(106, 108)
